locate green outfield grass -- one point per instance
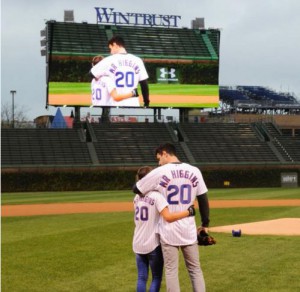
(184, 89)
(92, 252)
(69, 87)
(126, 196)
(157, 89)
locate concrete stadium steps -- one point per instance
(289, 147)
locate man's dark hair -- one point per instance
(118, 40)
(168, 147)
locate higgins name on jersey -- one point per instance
(124, 63)
(179, 173)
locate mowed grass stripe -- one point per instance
(163, 89)
(127, 195)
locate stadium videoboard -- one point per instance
(187, 78)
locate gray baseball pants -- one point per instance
(191, 258)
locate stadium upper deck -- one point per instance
(256, 98)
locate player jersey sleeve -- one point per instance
(201, 188)
(143, 75)
(150, 182)
(161, 202)
(100, 69)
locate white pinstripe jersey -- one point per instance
(146, 217)
(101, 90)
(127, 71)
(180, 183)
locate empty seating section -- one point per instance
(43, 147)
(258, 95)
(214, 36)
(226, 143)
(163, 42)
(134, 144)
(272, 129)
(121, 143)
(290, 146)
(232, 96)
(156, 42)
(287, 146)
(77, 38)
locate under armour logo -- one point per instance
(165, 71)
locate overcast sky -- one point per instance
(260, 41)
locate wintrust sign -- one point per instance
(109, 16)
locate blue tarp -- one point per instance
(58, 121)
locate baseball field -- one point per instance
(80, 250)
(161, 95)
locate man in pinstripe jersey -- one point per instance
(146, 245)
(180, 183)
